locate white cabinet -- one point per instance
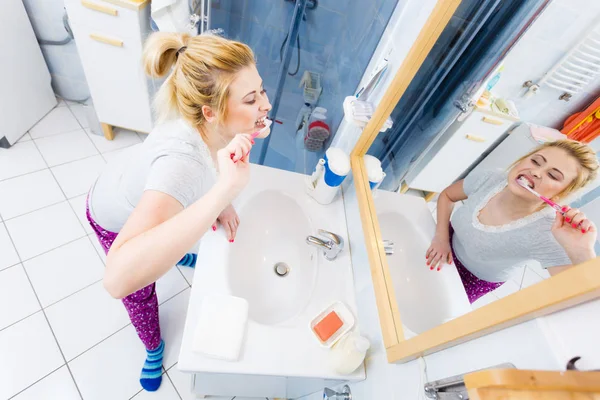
(110, 36)
(460, 146)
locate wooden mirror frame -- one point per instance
(569, 288)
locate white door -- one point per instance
(26, 95)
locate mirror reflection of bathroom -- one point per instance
(490, 119)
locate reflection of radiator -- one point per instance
(579, 67)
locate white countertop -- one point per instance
(288, 348)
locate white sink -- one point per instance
(280, 356)
(425, 298)
(277, 272)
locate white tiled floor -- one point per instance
(61, 335)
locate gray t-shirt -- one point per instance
(491, 252)
(173, 159)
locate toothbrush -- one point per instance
(268, 123)
(523, 183)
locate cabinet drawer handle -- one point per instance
(492, 121)
(99, 7)
(107, 40)
(475, 138)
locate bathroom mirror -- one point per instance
(465, 108)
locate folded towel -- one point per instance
(221, 327)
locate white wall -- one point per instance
(556, 31)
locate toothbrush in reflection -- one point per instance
(525, 184)
(268, 123)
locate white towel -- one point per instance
(221, 327)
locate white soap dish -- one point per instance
(345, 315)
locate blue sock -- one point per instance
(152, 371)
(189, 260)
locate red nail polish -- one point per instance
(565, 208)
(230, 240)
(568, 219)
(252, 141)
(431, 268)
(574, 225)
(583, 231)
(439, 269)
(214, 228)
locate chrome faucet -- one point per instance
(331, 247)
(388, 246)
(345, 394)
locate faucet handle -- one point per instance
(332, 236)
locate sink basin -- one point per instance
(277, 273)
(425, 298)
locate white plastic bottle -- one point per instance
(348, 354)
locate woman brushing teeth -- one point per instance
(502, 224)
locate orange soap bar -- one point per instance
(328, 326)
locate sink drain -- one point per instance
(281, 269)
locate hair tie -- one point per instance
(181, 50)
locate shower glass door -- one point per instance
(335, 42)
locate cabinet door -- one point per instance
(116, 79)
(477, 133)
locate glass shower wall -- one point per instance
(336, 40)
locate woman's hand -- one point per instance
(576, 234)
(439, 252)
(230, 222)
(234, 164)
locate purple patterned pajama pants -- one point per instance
(142, 306)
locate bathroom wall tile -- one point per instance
(359, 19)
(14, 285)
(340, 6)
(28, 352)
(170, 284)
(509, 287)
(530, 278)
(368, 44)
(385, 10)
(322, 26)
(76, 260)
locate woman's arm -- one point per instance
(160, 231)
(440, 252)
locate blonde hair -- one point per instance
(582, 153)
(203, 68)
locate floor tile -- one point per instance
(97, 246)
(123, 138)
(59, 120)
(537, 268)
(117, 156)
(79, 112)
(79, 205)
(17, 299)
(165, 392)
(111, 369)
(509, 287)
(85, 318)
(28, 352)
(530, 278)
(63, 271)
(76, 178)
(59, 385)
(25, 138)
(27, 193)
(8, 254)
(188, 273)
(484, 300)
(172, 321)
(66, 147)
(142, 136)
(182, 382)
(20, 159)
(170, 284)
(45, 229)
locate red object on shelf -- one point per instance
(584, 126)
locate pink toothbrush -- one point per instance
(268, 123)
(525, 184)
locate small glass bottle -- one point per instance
(349, 353)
